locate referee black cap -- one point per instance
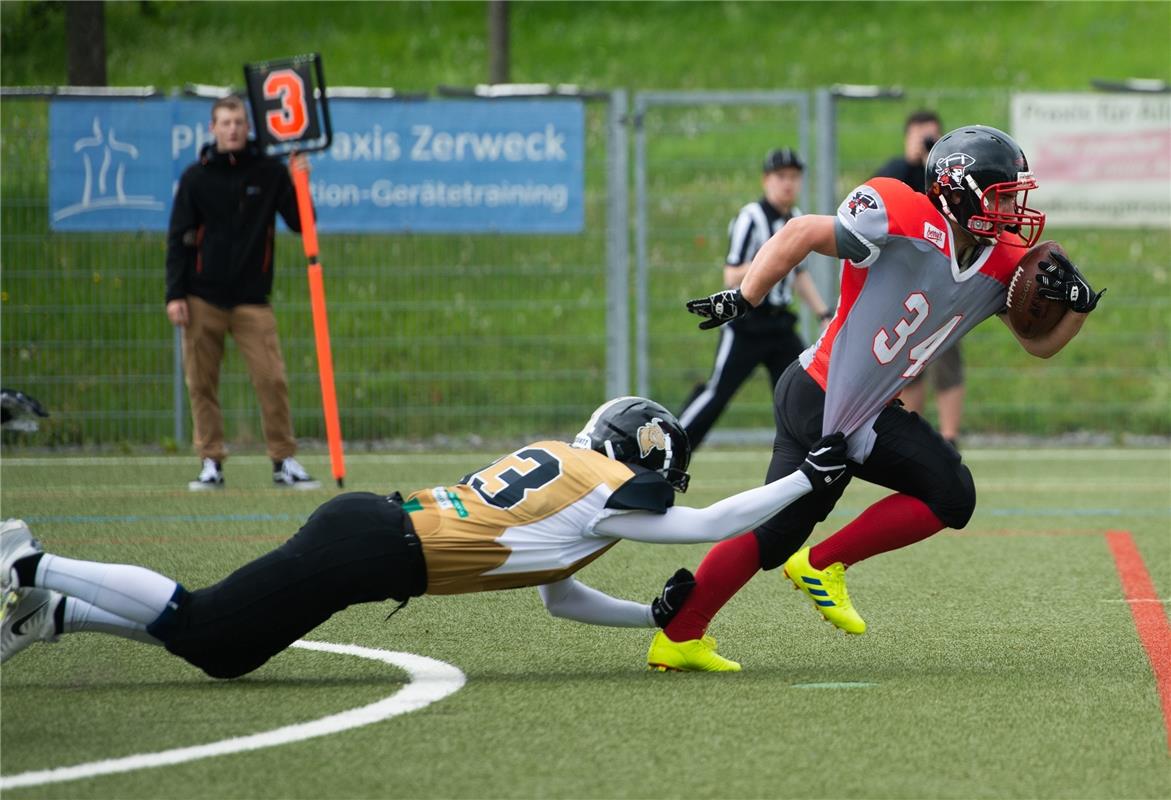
(782, 157)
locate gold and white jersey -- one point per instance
(528, 518)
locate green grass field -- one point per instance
(1001, 661)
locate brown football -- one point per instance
(1031, 314)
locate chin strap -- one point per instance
(397, 609)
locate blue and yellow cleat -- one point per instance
(694, 655)
(827, 589)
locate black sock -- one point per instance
(164, 626)
(59, 617)
(26, 569)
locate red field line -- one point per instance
(1150, 618)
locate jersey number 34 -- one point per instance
(887, 345)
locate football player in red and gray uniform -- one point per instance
(918, 272)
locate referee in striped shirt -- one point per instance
(769, 334)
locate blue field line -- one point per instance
(81, 519)
(1055, 512)
(1076, 512)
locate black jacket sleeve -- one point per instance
(181, 244)
(286, 202)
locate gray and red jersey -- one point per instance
(904, 300)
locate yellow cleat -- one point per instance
(694, 655)
(827, 589)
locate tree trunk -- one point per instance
(498, 41)
(85, 37)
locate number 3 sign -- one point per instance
(288, 104)
(290, 113)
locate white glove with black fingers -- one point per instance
(825, 465)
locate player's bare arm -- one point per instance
(1049, 344)
(806, 289)
(734, 274)
(810, 233)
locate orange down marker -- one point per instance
(333, 428)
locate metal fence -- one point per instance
(459, 336)
(699, 158)
(433, 335)
(697, 161)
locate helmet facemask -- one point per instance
(635, 430)
(1022, 226)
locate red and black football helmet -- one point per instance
(635, 430)
(971, 172)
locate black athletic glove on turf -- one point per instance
(1060, 280)
(826, 463)
(667, 605)
(719, 308)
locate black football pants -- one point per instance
(909, 456)
(356, 548)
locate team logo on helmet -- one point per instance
(651, 437)
(861, 201)
(951, 169)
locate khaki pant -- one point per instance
(254, 329)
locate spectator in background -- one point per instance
(219, 277)
(920, 132)
(769, 335)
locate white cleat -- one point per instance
(211, 477)
(290, 474)
(29, 620)
(16, 542)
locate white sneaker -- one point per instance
(288, 473)
(16, 542)
(210, 477)
(30, 620)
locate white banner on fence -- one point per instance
(1100, 159)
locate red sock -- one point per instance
(727, 566)
(891, 523)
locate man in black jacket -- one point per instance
(219, 277)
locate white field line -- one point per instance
(430, 681)
(715, 456)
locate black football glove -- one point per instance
(667, 605)
(826, 463)
(1060, 280)
(719, 308)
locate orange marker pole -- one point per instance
(333, 428)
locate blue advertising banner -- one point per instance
(109, 164)
(509, 166)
